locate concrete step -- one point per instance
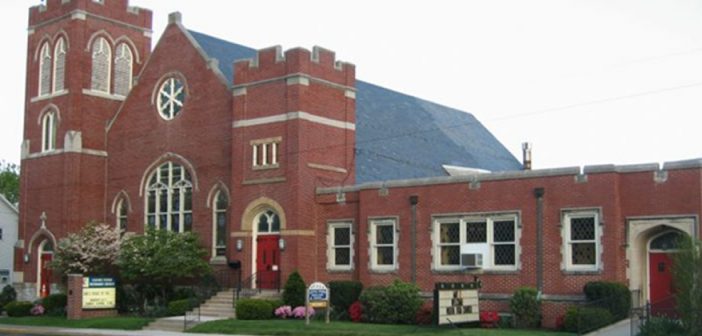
(174, 323)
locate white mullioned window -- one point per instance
(59, 65)
(122, 215)
(383, 244)
(497, 234)
(102, 56)
(123, 69)
(219, 223)
(265, 153)
(581, 235)
(45, 69)
(48, 131)
(340, 239)
(169, 198)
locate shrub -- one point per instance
(397, 303)
(178, 307)
(612, 296)
(299, 312)
(55, 304)
(183, 293)
(356, 311)
(344, 293)
(526, 307)
(254, 309)
(582, 320)
(7, 295)
(37, 310)
(18, 308)
(283, 311)
(425, 314)
(294, 292)
(661, 326)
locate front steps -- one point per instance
(220, 305)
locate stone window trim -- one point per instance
(45, 69)
(123, 69)
(567, 217)
(331, 246)
(265, 153)
(49, 128)
(59, 66)
(122, 215)
(220, 209)
(373, 223)
(489, 266)
(157, 89)
(101, 65)
(169, 182)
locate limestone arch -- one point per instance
(169, 156)
(256, 207)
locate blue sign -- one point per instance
(317, 295)
(101, 282)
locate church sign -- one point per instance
(99, 293)
(456, 303)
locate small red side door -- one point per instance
(662, 292)
(267, 261)
(45, 275)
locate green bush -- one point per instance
(612, 296)
(182, 293)
(178, 307)
(18, 308)
(55, 304)
(254, 309)
(7, 295)
(526, 307)
(294, 291)
(585, 319)
(344, 293)
(661, 326)
(397, 303)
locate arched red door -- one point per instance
(662, 292)
(267, 261)
(45, 274)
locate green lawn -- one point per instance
(121, 323)
(319, 328)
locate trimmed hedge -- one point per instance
(344, 293)
(613, 296)
(526, 307)
(178, 307)
(585, 319)
(255, 309)
(395, 304)
(294, 291)
(18, 308)
(7, 295)
(662, 326)
(55, 304)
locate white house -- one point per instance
(8, 238)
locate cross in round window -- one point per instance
(171, 97)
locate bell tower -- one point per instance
(82, 60)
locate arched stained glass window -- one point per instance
(667, 241)
(48, 131)
(169, 198)
(59, 65)
(268, 222)
(220, 223)
(100, 78)
(123, 69)
(45, 70)
(122, 215)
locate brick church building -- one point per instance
(283, 161)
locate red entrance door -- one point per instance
(267, 262)
(45, 275)
(662, 293)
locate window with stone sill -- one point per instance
(219, 218)
(101, 64)
(340, 240)
(45, 69)
(383, 244)
(265, 153)
(59, 65)
(123, 69)
(499, 233)
(49, 128)
(581, 235)
(169, 198)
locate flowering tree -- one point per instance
(91, 251)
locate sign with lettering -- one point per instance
(456, 303)
(318, 295)
(99, 293)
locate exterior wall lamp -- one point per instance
(281, 244)
(239, 245)
(26, 258)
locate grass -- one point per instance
(319, 328)
(121, 323)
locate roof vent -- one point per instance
(526, 156)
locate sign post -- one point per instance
(316, 296)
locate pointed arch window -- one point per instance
(169, 198)
(59, 65)
(268, 222)
(219, 229)
(122, 215)
(123, 69)
(45, 70)
(100, 78)
(48, 131)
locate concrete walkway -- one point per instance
(621, 328)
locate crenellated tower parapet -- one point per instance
(118, 10)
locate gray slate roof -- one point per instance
(398, 136)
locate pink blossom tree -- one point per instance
(91, 251)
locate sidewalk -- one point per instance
(621, 328)
(59, 331)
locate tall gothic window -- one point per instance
(219, 230)
(59, 65)
(169, 198)
(100, 78)
(48, 131)
(45, 70)
(121, 215)
(123, 69)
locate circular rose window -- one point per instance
(171, 97)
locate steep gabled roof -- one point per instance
(398, 136)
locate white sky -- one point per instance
(587, 82)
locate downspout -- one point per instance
(414, 199)
(539, 195)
